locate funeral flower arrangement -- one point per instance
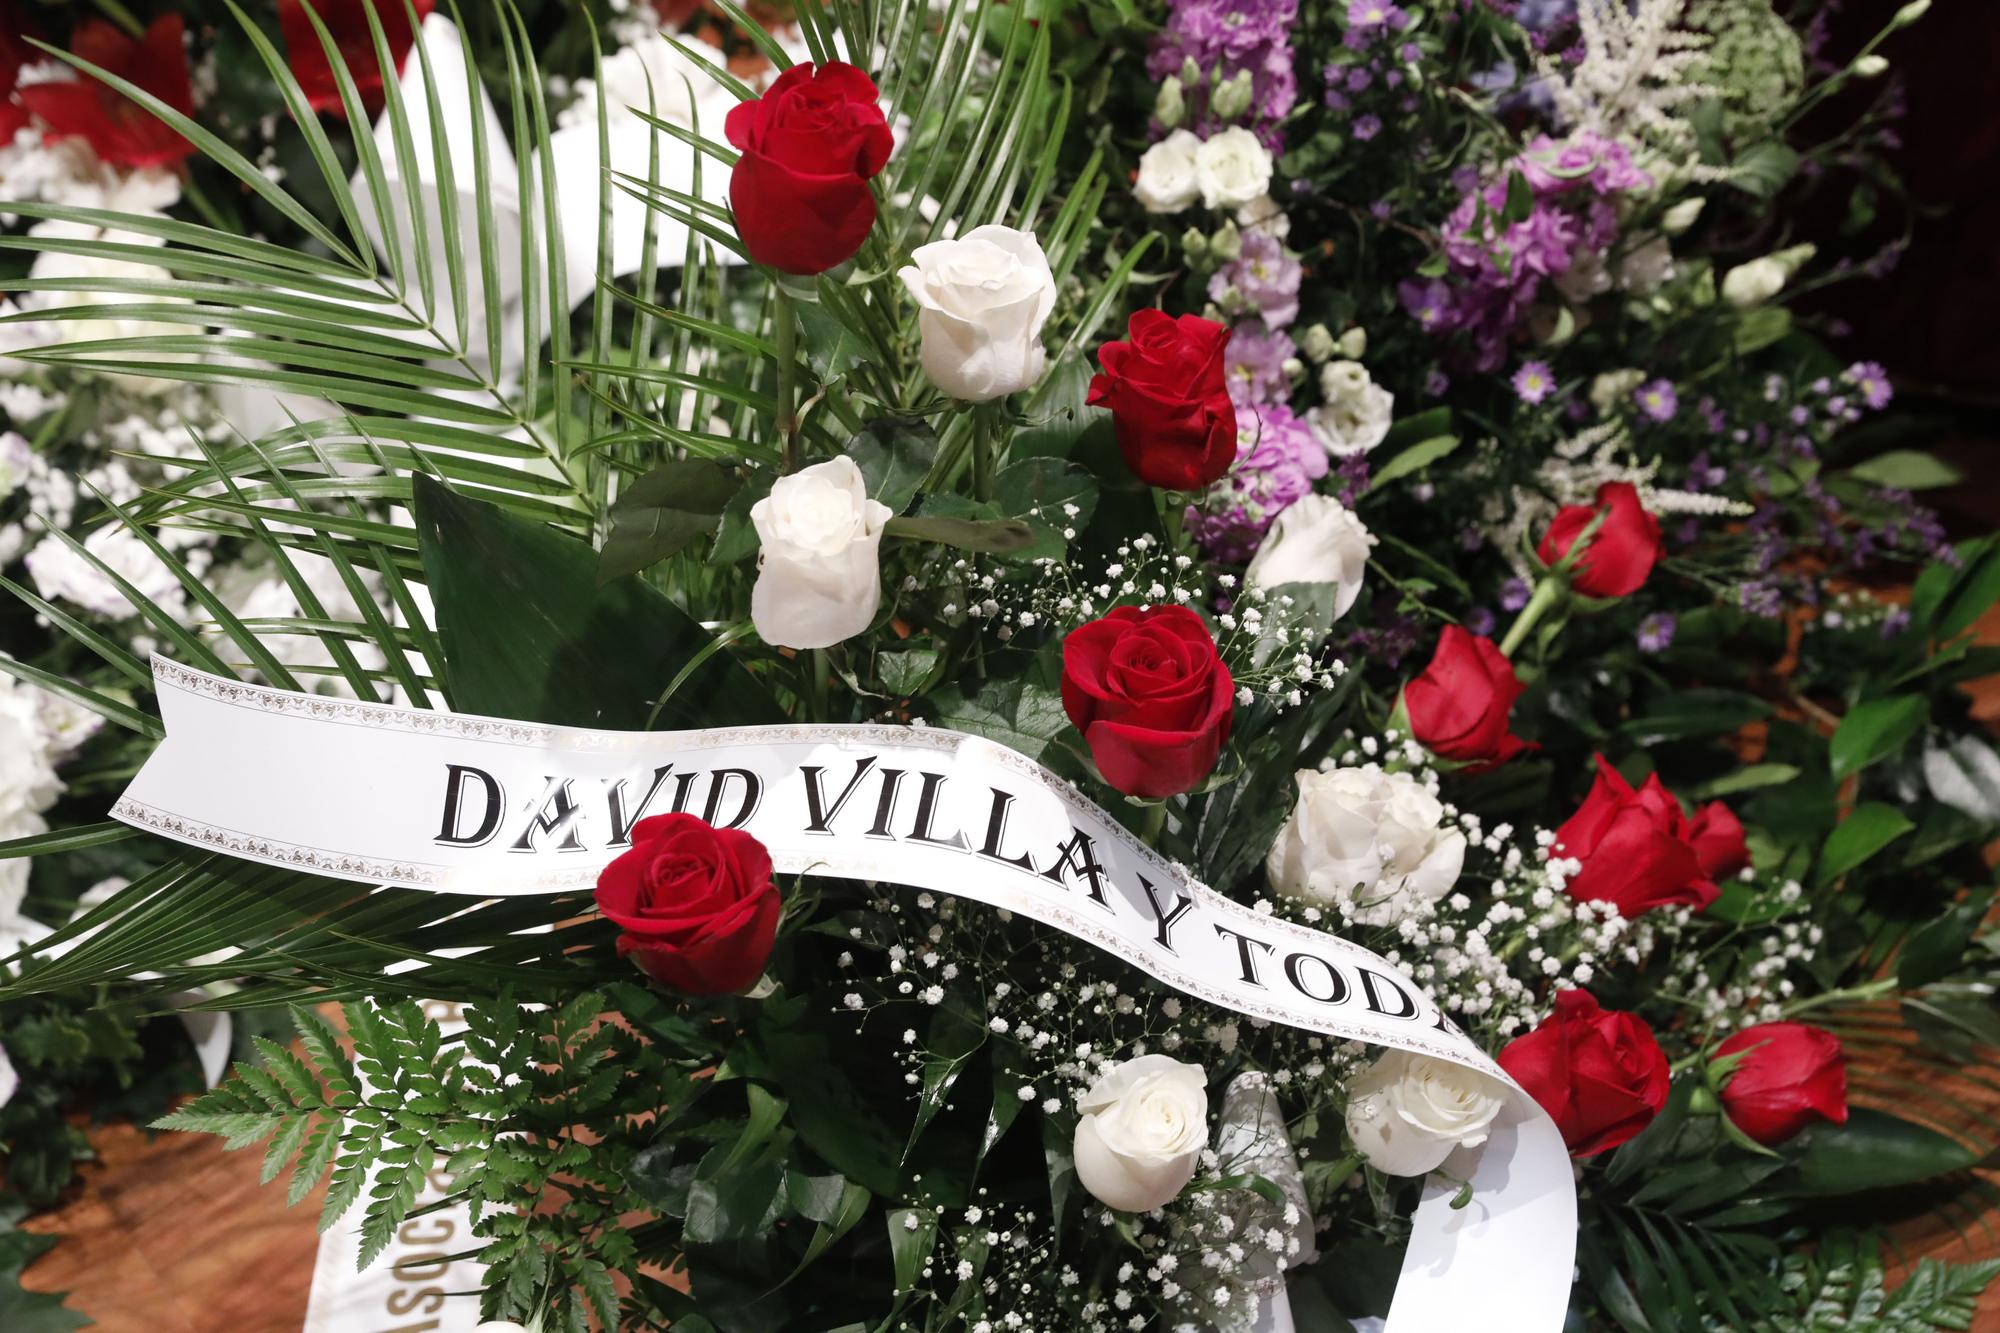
(1301, 562)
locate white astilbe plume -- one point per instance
(1632, 83)
(1571, 475)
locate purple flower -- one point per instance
(1871, 382)
(1760, 599)
(1372, 16)
(1367, 127)
(1232, 37)
(1657, 400)
(1436, 382)
(1514, 594)
(1656, 632)
(1263, 277)
(1280, 459)
(1533, 382)
(1895, 622)
(1255, 364)
(1479, 620)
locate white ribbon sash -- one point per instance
(460, 804)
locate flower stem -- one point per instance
(1867, 990)
(785, 317)
(1545, 596)
(983, 449)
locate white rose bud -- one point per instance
(1870, 66)
(1315, 539)
(1371, 841)
(1167, 182)
(1170, 105)
(1681, 216)
(819, 572)
(1357, 412)
(1407, 1112)
(1143, 1126)
(1233, 167)
(984, 299)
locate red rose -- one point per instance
(1151, 697)
(1717, 835)
(809, 145)
(1636, 847)
(1622, 552)
(1600, 1075)
(1458, 707)
(347, 22)
(1168, 399)
(119, 130)
(14, 53)
(1789, 1073)
(696, 903)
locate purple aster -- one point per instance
(1367, 127)
(1479, 620)
(1872, 382)
(1514, 594)
(1657, 400)
(1533, 382)
(1372, 16)
(1760, 599)
(1656, 632)
(1263, 277)
(1255, 364)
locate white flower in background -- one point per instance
(1644, 269)
(17, 459)
(1263, 214)
(1682, 215)
(1167, 180)
(1756, 282)
(10, 1082)
(651, 74)
(63, 574)
(819, 574)
(1232, 167)
(1407, 1112)
(1141, 1131)
(983, 299)
(51, 264)
(28, 786)
(1316, 539)
(1612, 387)
(1369, 841)
(1356, 413)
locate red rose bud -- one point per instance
(1151, 697)
(1788, 1073)
(347, 23)
(1622, 552)
(1717, 835)
(1635, 847)
(696, 904)
(809, 146)
(1599, 1074)
(1458, 707)
(118, 129)
(1169, 401)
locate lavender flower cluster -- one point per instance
(1226, 38)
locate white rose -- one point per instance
(984, 299)
(1233, 168)
(819, 572)
(1167, 182)
(10, 1082)
(1357, 412)
(1406, 1112)
(51, 264)
(1369, 841)
(1316, 539)
(1754, 283)
(1144, 1124)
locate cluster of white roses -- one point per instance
(1229, 169)
(982, 300)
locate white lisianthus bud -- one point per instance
(1232, 96)
(1315, 539)
(1170, 105)
(1317, 343)
(1226, 244)
(819, 572)
(1682, 215)
(1910, 13)
(1354, 343)
(1407, 1112)
(1369, 841)
(1294, 369)
(1870, 66)
(984, 299)
(1140, 1133)
(1758, 281)
(1167, 182)
(1233, 167)
(1357, 412)
(1612, 387)
(1190, 72)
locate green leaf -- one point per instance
(662, 512)
(912, 1232)
(1419, 455)
(1762, 169)
(1908, 470)
(1869, 828)
(529, 633)
(1873, 1150)
(894, 454)
(1699, 712)
(1754, 777)
(1759, 328)
(1051, 496)
(991, 536)
(1875, 730)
